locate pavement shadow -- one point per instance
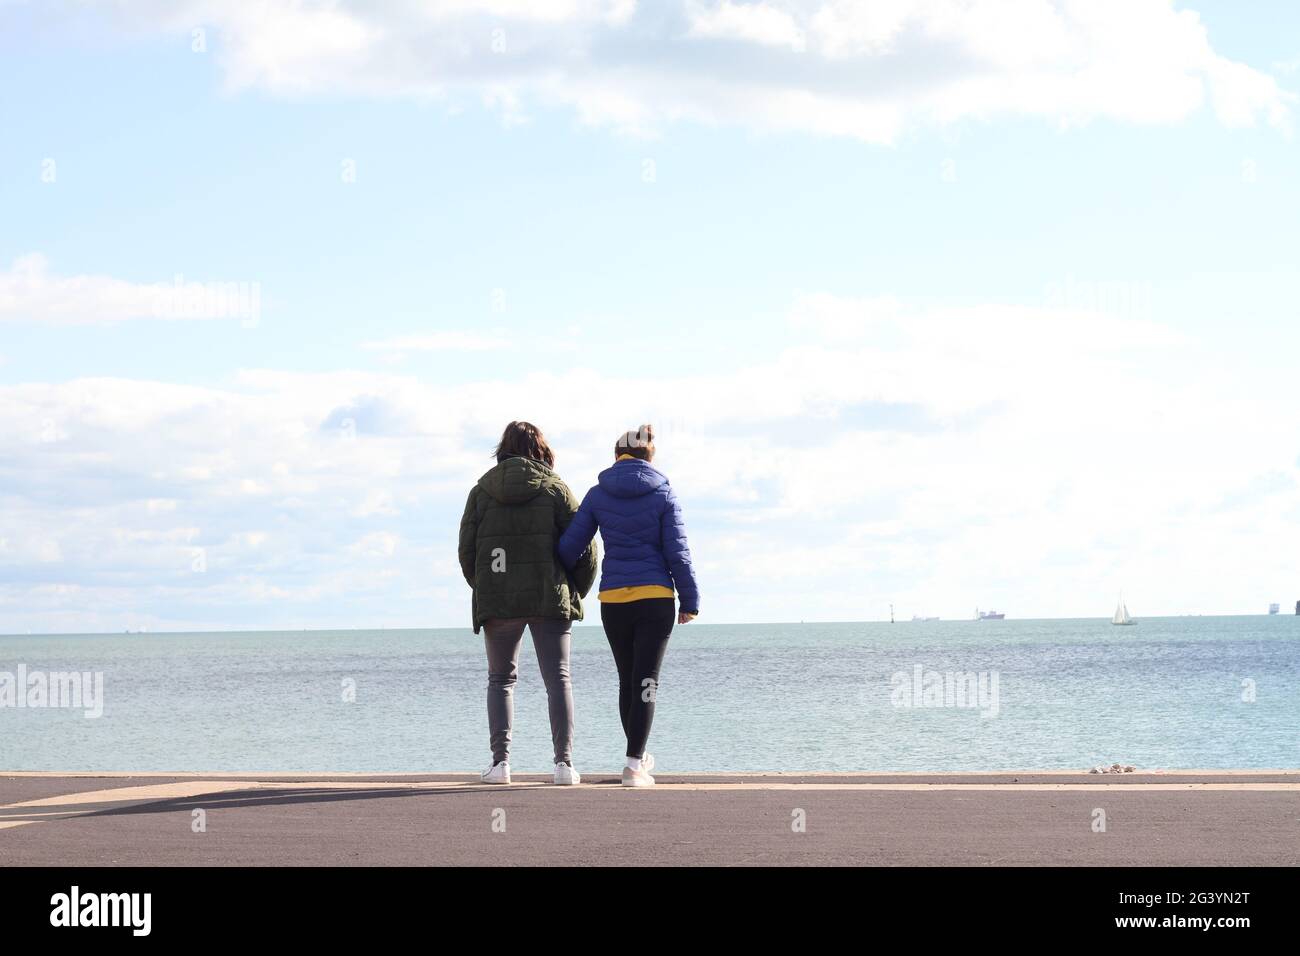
(236, 799)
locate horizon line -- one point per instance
(466, 627)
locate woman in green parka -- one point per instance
(513, 518)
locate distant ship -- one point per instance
(1121, 614)
(1274, 608)
(989, 615)
(917, 617)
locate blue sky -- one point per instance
(936, 304)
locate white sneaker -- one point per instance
(497, 773)
(637, 778)
(566, 776)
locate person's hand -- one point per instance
(685, 617)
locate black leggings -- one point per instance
(638, 634)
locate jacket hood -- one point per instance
(631, 478)
(516, 480)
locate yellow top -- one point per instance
(637, 593)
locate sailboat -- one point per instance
(1121, 613)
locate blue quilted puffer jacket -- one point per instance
(641, 526)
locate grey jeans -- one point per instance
(551, 639)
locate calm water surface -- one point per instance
(1196, 692)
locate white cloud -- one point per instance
(377, 502)
(438, 342)
(1029, 458)
(378, 544)
(30, 292)
(754, 22)
(871, 71)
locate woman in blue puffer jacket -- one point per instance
(646, 557)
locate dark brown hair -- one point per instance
(525, 440)
(638, 444)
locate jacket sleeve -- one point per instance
(576, 548)
(678, 554)
(468, 550)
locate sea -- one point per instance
(1166, 693)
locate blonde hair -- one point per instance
(639, 443)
